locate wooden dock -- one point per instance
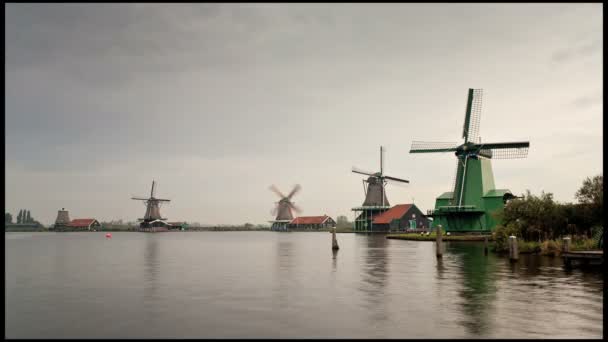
(583, 258)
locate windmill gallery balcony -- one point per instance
(453, 209)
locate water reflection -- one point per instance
(285, 264)
(291, 292)
(151, 267)
(334, 258)
(375, 275)
(440, 269)
(479, 286)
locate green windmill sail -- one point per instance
(473, 202)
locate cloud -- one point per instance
(578, 51)
(587, 101)
(217, 98)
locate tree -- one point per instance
(536, 217)
(28, 218)
(342, 222)
(592, 191)
(249, 225)
(20, 216)
(8, 218)
(591, 196)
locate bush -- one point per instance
(528, 246)
(583, 244)
(551, 247)
(501, 236)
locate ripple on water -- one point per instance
(284, 285)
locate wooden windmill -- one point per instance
(284, 208)
(376, 201)
(152, 217)
(474, 201)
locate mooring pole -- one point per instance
(439, 242)
(334, 241)
(566, 245)
(566, 249)
(513, 252)
(485, 246)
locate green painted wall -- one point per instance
(478, 182)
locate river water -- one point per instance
(286, 285)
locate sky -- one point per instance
(216, 102)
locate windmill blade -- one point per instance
(276, 191)
(356, 170)
(394, 179)
(162, 200)
(295, 208)
(507, 150)
(140, 198)
(505, 153)
(294, 191)
(432, 147)
(470, 130)
(381, 159)
(397, 183)
(485, 153)
(505, 145)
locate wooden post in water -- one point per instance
(439, 242)
(485, 246)
(566, 249)
(513, 252)
(334, 241)
(566, 245)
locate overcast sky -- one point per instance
(218, 101)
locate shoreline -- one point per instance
(432, 237)
(135, 230)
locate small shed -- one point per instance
(402, 217)
(87, 223)
(176, 225)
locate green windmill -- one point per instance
(473, 202)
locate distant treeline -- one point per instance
(25, 221)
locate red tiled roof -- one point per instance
(309, 219)
(81, 222)
(395, 212)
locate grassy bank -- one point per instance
(432, 237)
(548, 247)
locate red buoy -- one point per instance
(108, 235)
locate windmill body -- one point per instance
(284, 209)
(375, 202)
(152, 220)
(474, 202)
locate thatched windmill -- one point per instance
(152, 217)
(375, 194)
(376, 201)
(284, 208)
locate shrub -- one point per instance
(551, 247)
(501, 236)
(583, 244)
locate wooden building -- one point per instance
(401, 218)
(312, 222)
(84, 224)
(176, 225)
